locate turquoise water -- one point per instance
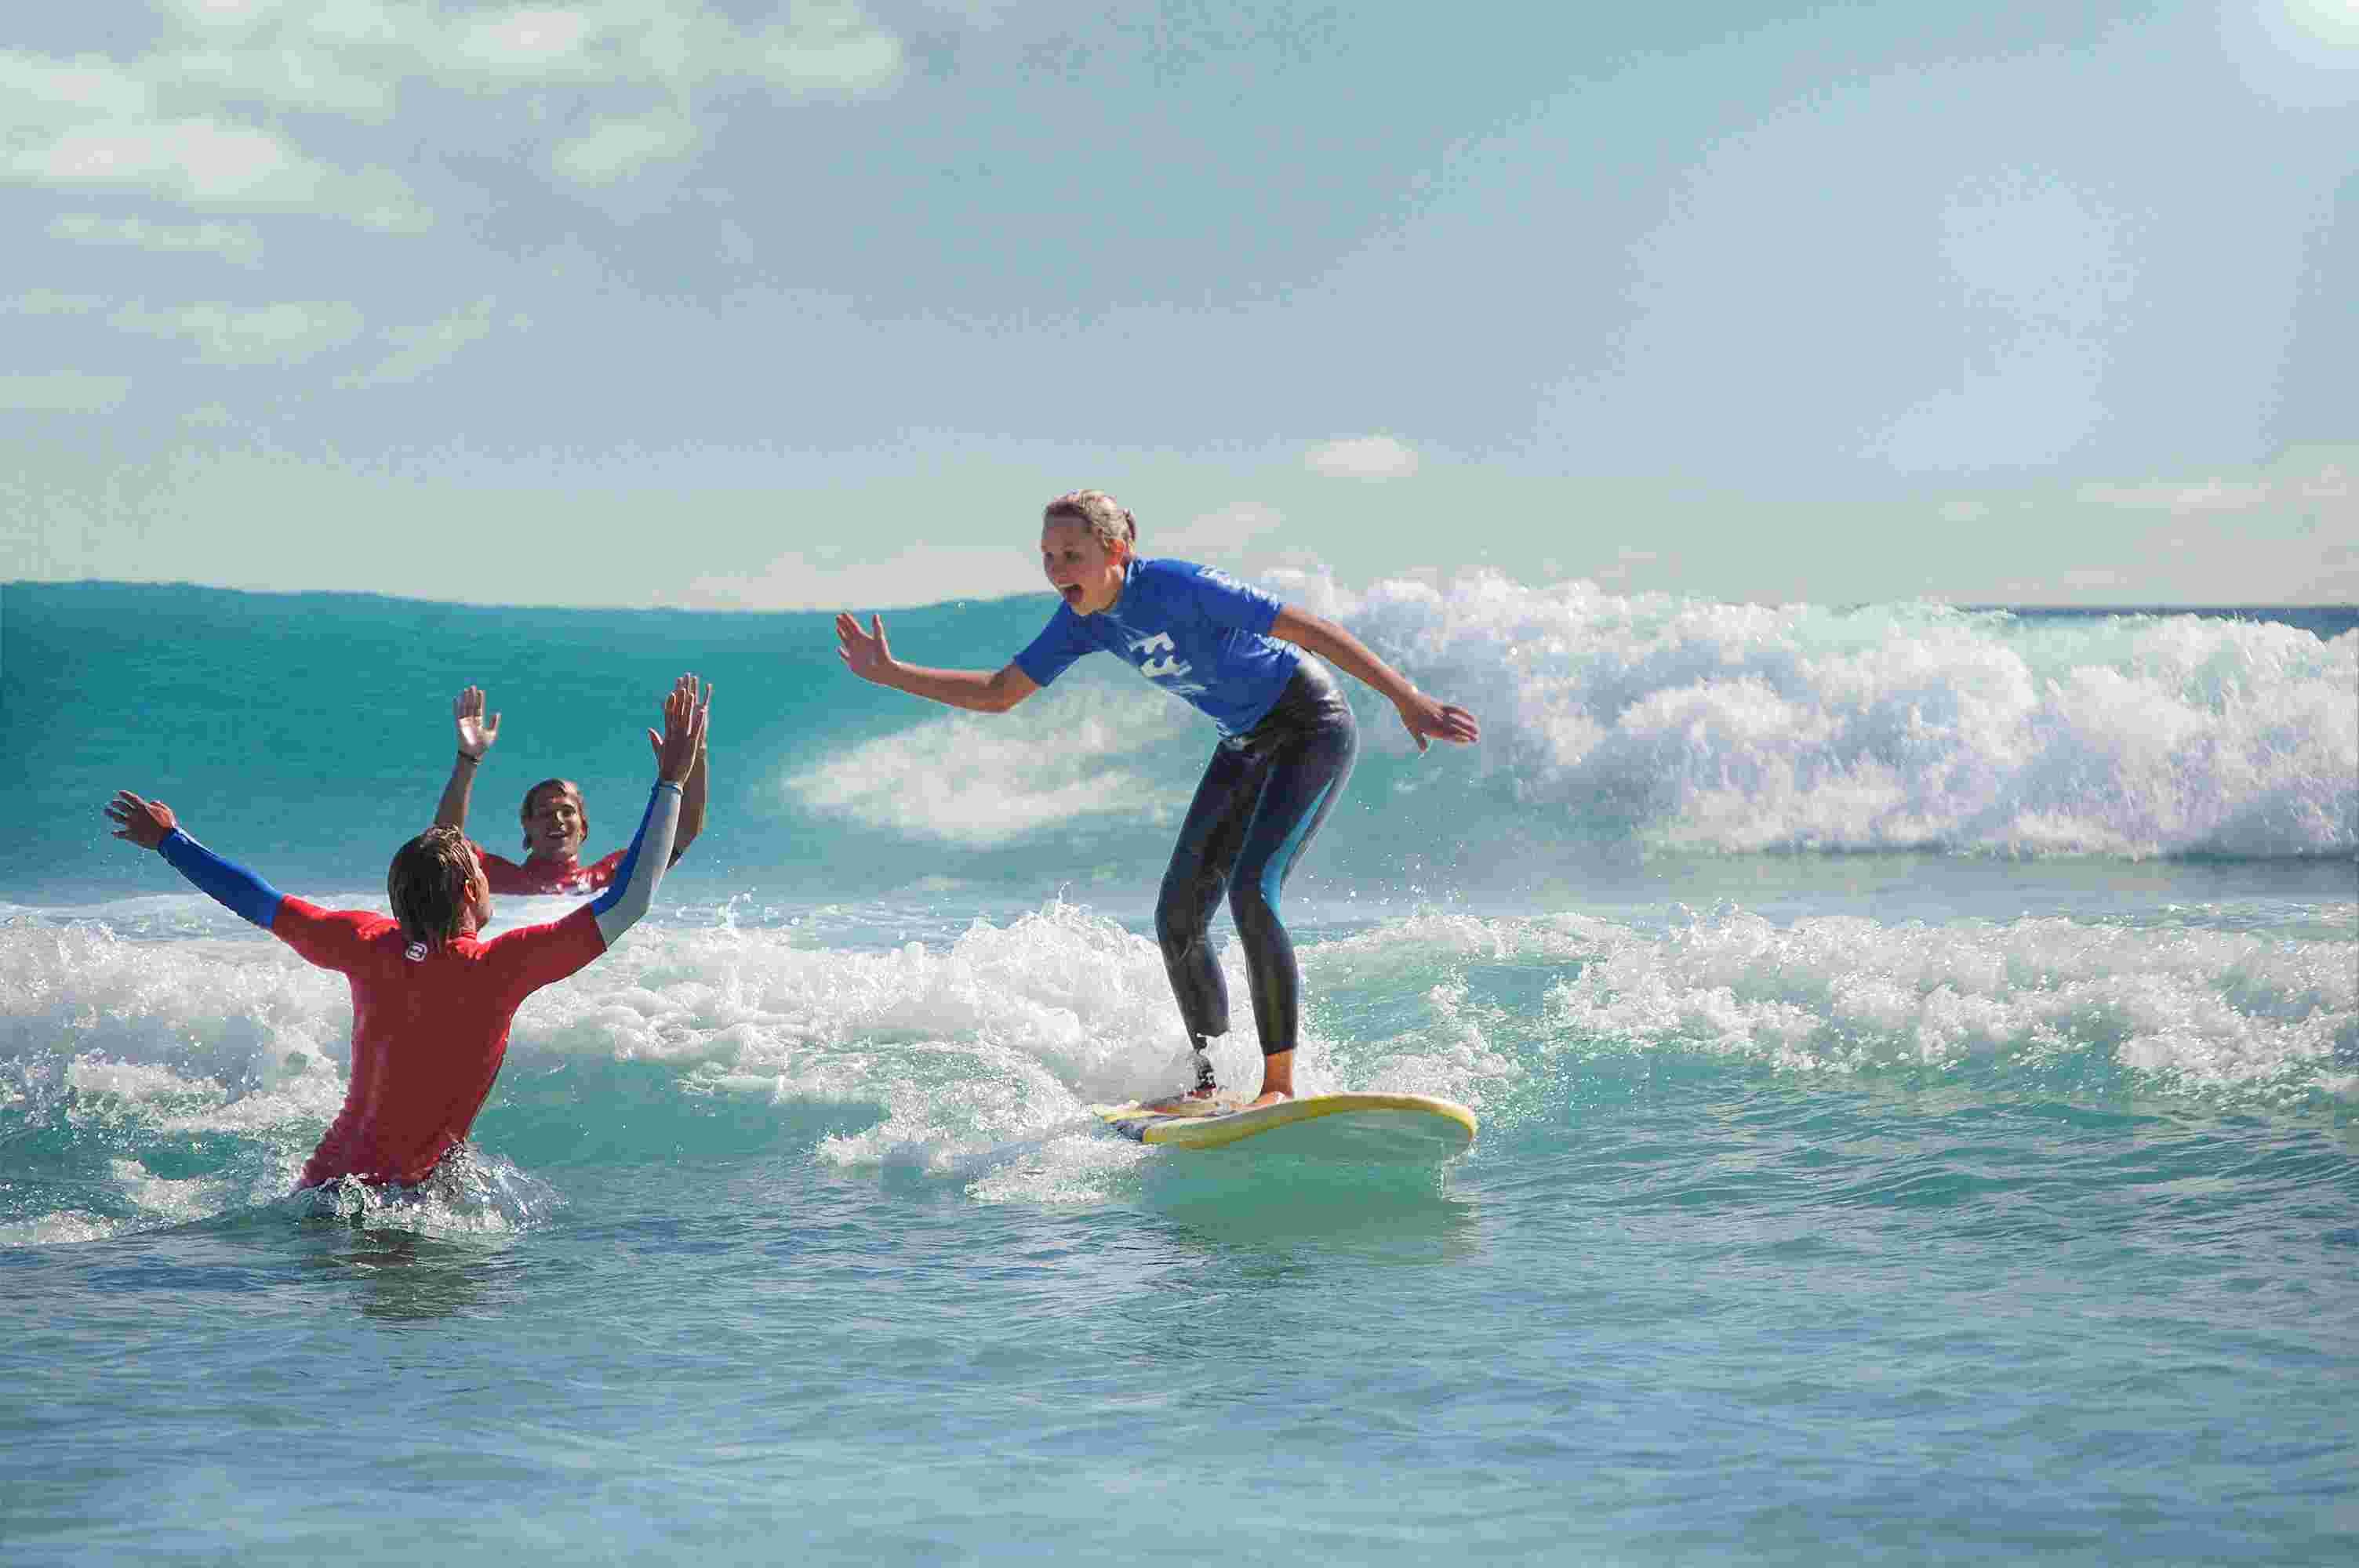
(1916, 1052)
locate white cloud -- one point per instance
(1625, 557)
(826, 48)
(64, 392)
(823, 579)
(229, 15)
(167, 123)
(235, 242)
(35, 91)
(50, 302)
(1225, 532)
(2205, 495)
(527, 41)
(1362, 457)
(424, 348)
(294, 77)
(823, 47)
(208, 163)
(622, 147)
(2305, 480)
(280, 334)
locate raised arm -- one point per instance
(1424, 719)
(691, 794)
(977, 691)
(476, 735)
(632, 890)
(151, 824)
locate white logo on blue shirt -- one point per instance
(1163, 668)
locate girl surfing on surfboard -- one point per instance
(1288, 741)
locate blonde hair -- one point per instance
(581, 807)
(426, 884)
(1098, 512)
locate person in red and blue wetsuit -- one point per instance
(556, 819)
(433, 1001)
(1287, 741)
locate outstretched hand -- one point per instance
(701, 695)
(146, 823)
(476, 733)
(1428, 720)
(865, 652)
(683, 732)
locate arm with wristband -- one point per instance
(476, 736)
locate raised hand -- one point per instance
(146, 823)
(865, 652)
(690, 684)
(1428, 720)
(683, 731)
(476, 733)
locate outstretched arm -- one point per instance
(1426, 720)
(977, 691)
(476, 735)
(633, 888)
(151, 824)
(691, 794)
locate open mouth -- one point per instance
(1072, 593)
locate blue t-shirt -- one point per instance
(1194, 630)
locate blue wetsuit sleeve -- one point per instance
(1053, 651)
(633, 888)
(225, 881)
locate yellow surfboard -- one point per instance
(1368, 1128)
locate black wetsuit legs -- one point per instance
(1262, 797)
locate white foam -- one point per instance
(981, 1053)
(1701, 726)
(1747, 728)
(215, 1034)
(978, 782)
(2194, 1011)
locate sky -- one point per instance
(724, 304)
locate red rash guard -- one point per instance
(446, 1015)
(547, 876)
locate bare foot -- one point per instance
(1270, 1097)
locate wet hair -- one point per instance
(581, 807)
(426, 884)
(1098, 512)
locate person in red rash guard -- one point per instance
(433, 1001)
(556, 819)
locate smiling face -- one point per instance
(554, 822)
(1086, 572)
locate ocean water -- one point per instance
(1916, 1051)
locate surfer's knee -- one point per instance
(1254, 907)
(1174, 930)
(1182, 914)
